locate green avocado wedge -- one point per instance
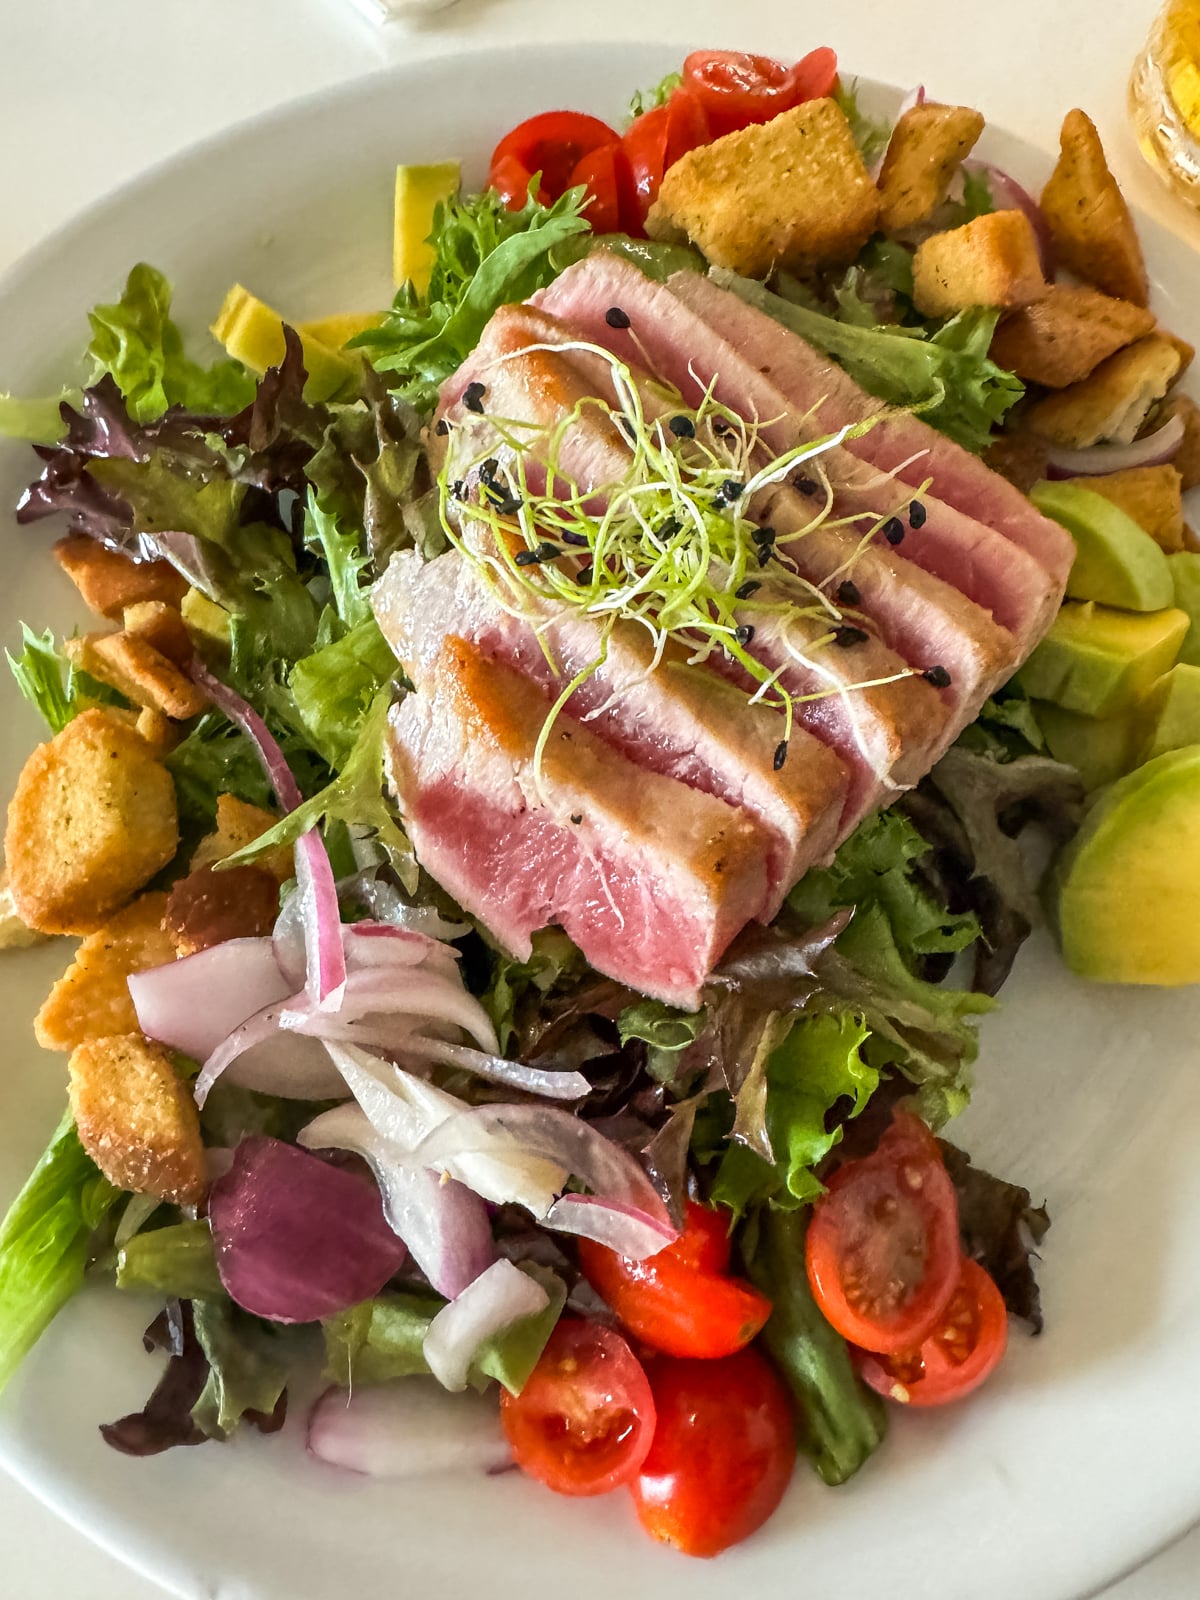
(1169, 717)
(1117, 563)
(1101, 749)
(1100, 661)
(1185, 574)
(1128, 886)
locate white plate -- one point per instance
(1079, 1460)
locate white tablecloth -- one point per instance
(94, 92)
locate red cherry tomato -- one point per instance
(882, 1248)
(723, 1452)
(737, 89)
(815, 75)
(553, 144)
(965, 1347)
(584, 1422)
(704, 1243)
(607, 176)
(659, 138)
(673, 1306)
(510, 178)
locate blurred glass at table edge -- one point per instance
(1164, 97)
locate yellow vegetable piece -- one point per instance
(252, 333)
(207, 622)
(419, 192)
(339, 329)
(1129, 884)
(1101, 749)
(1098, 660)
(1170, 715)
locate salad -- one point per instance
(545, 801)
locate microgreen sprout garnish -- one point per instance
(672, 545)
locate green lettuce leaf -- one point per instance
(975, 201)
(37, 421)
(486, 257)
(335, 688)
(842, 1423)
(665, 1031)
(654, 257)
(137, 342)
(946, 376)
(516, 985)
(871, 134)
(249, 1363)
(44, 1242)
(52, 684)
(175, 1262)
(648, 99)
(345, 556)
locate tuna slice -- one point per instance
(678, 721)
(651, 879)
(924, 619)
(903, 444)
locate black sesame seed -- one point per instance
(504, 503)
(441, 427)
(489, 469)
(764, 554)
(473, 397)
(806, 486)
(578, 539)
(577, 817)
(626, 424)
(917, 515)
(682, 427)
(744, 634)
(616, 318)
(721, 426)
(780, 754)
(669, 528)
(938, 677)
(732, 490)
(893, 531)
(763, 535)
(751, 586)
(584, 575)
(458, 489)
(547, 551)
(526, 558)
(848, 594)
(846, 636)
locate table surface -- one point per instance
(178, 71)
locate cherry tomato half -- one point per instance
(723, 1452)
(672, 1306)
(584, 1421)
(704, 1243)
(965, 1347)
(659, 138)
(882, 1248)
(510, 178)
(815, 75)
(607, 176)
(737, 89)
(553, 144)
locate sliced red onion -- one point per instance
(196, 1002)
(296, 1239)
(385, 902)
(1009, 195)
(324, 955)
(519, 1134)
(381, 944)
(498, 1297)
(444, 1225)
(408, 1429)
(272, 1062)
(243, 714)
(1152, 451)
(513, 1074)
(628, 1230)
(409, 992)
(287, 936)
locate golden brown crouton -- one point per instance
(990, 261)
(159, 732)
(1114, 401)
(1088, 217)
(792, 192)
(1187, 458)
(92, 998)
(240, 824)
(109, 581)
(163, 627)
(926, 148)
(14, 935)
(1152, 496)
(135, 1118)
(1187, 352)
(208, 907)
(92, 820)
(1066, 334)
(135, 668)
(1019, 456)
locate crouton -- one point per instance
(135, 1118)
(792, 192)
(159, 732)
(135, 668)
(1152, 496)
(161, 626)
(1186, 460)
(1019, 456)
(1088, 218)
(925, 150)
(240, 824)
(1187, 352)
(1114, 401)
(208, 907)
(92, 820)
(109, 581)
(14, 935)
(92, 998)
(990, 261)
(1065, 335)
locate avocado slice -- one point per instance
(1098, 661)
(252, 333)
(1185, 574)
(1117, 562)
(1170, 715)
(419, 192)
(1101, 749)
(1129, 884)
